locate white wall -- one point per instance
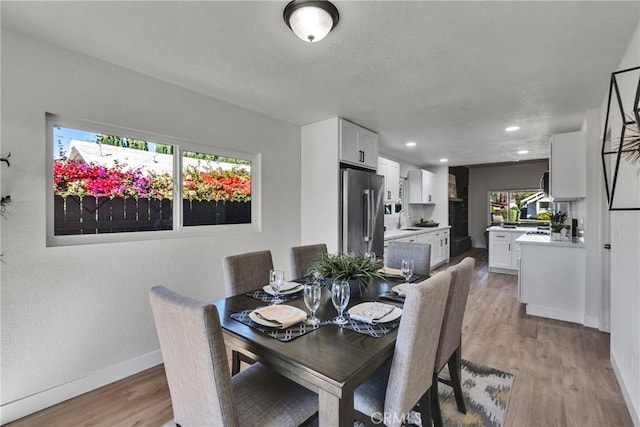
(482, 179)
(77, 317)
(625, 275)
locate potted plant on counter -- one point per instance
(356, 269)
(556, 222)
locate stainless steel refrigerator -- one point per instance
(362, 212)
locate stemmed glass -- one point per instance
(276, 280)
(340, 298)
(312, 293)
(406, 265)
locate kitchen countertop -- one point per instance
(511, 229)
(395, 233)
(536, 239)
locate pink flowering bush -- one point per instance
(217, 185)
(72, 178)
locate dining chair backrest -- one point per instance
(246, 272)
(195, 359)
(450, 335)
(419, 252)
(303, 256)
(415, 351)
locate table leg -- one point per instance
(333, 411)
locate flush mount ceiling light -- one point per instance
(523, 152)
(512, 128)
(410, 144)
(311, 20)
(444, 160)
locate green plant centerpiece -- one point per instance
(557, 220)
(352, 268)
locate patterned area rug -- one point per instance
(486, 394)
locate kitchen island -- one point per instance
(551, 280)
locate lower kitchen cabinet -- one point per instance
(438, 239)
(552, 281)
(504, 251)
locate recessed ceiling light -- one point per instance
(411, 144)
(512, 128)
(444, 160)
(523, 152)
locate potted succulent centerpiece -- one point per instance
(556, 222)
(356, 269)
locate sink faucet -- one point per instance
(408, 216)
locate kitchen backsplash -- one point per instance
(416, 212)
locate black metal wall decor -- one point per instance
(621, 141)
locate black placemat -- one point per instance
(392, 296)
(286, 334)
(375, 330)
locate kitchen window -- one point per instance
(510, 206)
(114, 184)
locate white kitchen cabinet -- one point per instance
(358, 146)
(422, 185)
(503, 251)
(391, 172)
(440, 248)
(407, 239)
(568, 163)
(440, 244)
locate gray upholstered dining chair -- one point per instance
(405, 380)
(302, 257)
(449, 346)
(419, 252)
(203, 393)
(244, 273)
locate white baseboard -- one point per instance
(633, 411)
(28, 405)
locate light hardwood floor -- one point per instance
(563, 376)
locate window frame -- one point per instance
(179, 144)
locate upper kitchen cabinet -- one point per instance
(422, 186)
(391, 172)
(358, 146)
(568, 163)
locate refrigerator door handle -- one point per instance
(367, 213)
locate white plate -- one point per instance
(285, 291)
(395, 314)
(253, 316)
(401, 290)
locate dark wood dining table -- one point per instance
(331, 361)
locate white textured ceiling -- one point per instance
(448, 75)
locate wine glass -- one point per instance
(276, 280)
(340, 298)
(406, 265)
(312, 293)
